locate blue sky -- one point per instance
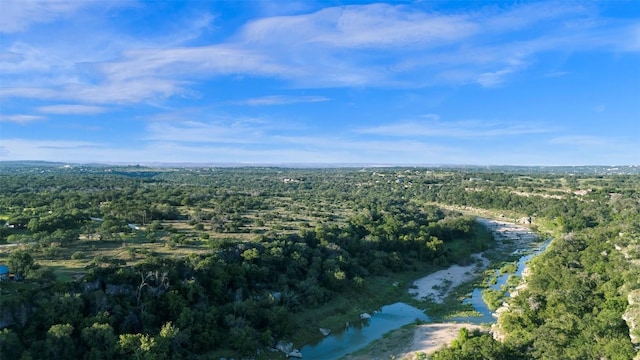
(397, 83)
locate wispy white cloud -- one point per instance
(20, 119)
(633, 43)
(584, 141)
(531, 14)
(77, 126)
(21, 57)
(431, 126)
(236, 132)
(257, 140)
(593, 149)
(495, 78)
(281, 100)
(189, 29)
(126, 92)
(212, 60)
(19, 15)
(29, 93)
(360, 26)
(72, 109)
(49, 150)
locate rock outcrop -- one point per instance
(632, 316)
(364, 316)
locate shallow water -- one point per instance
(359, 335)
(476, 296)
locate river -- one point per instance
(357, 336)
(486, 315)
(394, 316)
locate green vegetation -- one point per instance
(121, 262)
(477, 345)
(493, 298)
(509, 268)
(513, 280)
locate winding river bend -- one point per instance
(486, 315)
(396, 315)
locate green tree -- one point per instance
(100, 339)
(59, 342)
(21, 263)
(138, 346)
(10, 345)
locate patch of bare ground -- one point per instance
(438, 285)
(409, 341)
(428, 338)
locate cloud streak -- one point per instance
(20, 119)
(433, 127)
(588, 141)
(377, 26)
(281, 100)
(237, 132)
(19, 15)
(71, 109)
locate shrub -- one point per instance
(77, 255)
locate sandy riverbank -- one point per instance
(437, 286)
(428, 338)
(407, 342)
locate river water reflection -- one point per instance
(355, 337)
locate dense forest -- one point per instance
(151, 263)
